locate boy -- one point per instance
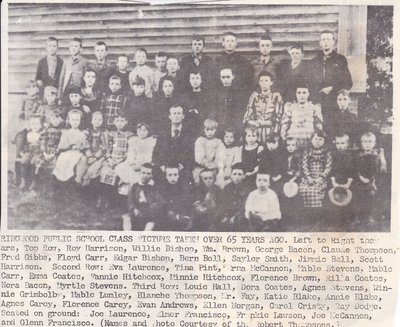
(262, 206)
(264, 62)
(241, 68)
(143, 71)
(31, 105)
(113, 103)
(177, 195)
(174, 72)
(50, 104)
(344, 120)
(138, 106)
(121, 70)
(234, 197)
(145, 204)
(49, 68)
(101, 66)
(75, 97)
(73, 68)
(160, 61)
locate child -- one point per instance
(316, 165)
(143, 71)
(233, 200)
(208, 150)
(250, 153)
(262, 207)
(177, 196)
(75, 98)
(264, 108)
(232, 156)
(50, 105)
(173, 71)
(49, 68)
(122, 71)
(145, 204)
(265, 62)
(207, 199)
(138, 106)
(30, 151)
(95, 152)
(117, 147)
(112, 103)
(160, 62)
(31, 105)
(73, 143)
(302, 118)
(140, 151)
(90, 92)
(101, 66)
(73, 69)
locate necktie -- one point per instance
(176, 133)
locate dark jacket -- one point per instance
(42, 72)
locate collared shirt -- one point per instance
(174, 129)
(52, 64)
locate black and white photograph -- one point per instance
(200, 117)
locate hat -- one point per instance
(340, 196)
(290, 189)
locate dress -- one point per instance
(316, 163)
(232, 156)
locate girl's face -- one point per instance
(120, 122)
(195, 80)
(272, 146)
(138, 89)
(229, 138)
(172, 65)
(172, 175)
(142, 132)
(291, 146)
(89, 78)
(251, 138)
(209, 132)
(265, 83)
(51, 98)
(168, 88)
(35, 124)
(56, 120)
(74, 120)
(75, 98)
(97, 121)
(317, 141)
(207, 178)
(302, 95)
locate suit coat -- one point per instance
(74, 72)
(42, 72)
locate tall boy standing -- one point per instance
(101, 66)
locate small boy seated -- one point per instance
(143, 71)
(262, 206)
(145, 204)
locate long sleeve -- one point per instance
(249, 115)
(318, 119)
(328, 165)
(200, 155)
(286, 120)
(61, 81)
(304, 163)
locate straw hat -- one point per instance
(340, 196)
(290, 189)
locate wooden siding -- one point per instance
(168, 28)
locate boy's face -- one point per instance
(251, 138)
(172, 175)
(50, 97)
(326, 41)
(367, 143)
(146, 174)
(272, 146)
(229, 138)
(56, 120)
(142, 132)
(207, 178)
(229, 43)
(195, 80)
(120, 122)
(210, 131)
(302, 95)
(140, 58)
(51, 47)
(32, 90)
(237, 176)
(263, 182)
(114, 85)
(226, 77)
(291, 146)
(265, 47)
(35, 124)
(138, 89)
(176, 115)
(97, 121)
(296, 55)
(343, 101)
(341, 143)
(74, 48)
(74, 120)
(317, 141)
(89, 78)
(265, 83)
(168, 88)
(197, 47)
(160, 62)
(75, 98)
(172, 65)
(122, 63)
(100, 52)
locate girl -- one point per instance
(316, 165)
(250, 154)
(231, 157)
(264, 108)
(140, 151)
(90, 94)
(73, 143)
(208, 150)
(97, 148)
